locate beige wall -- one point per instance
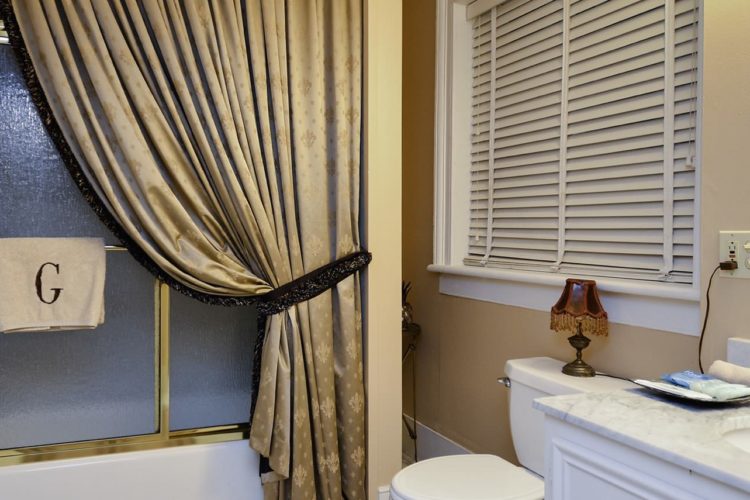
(382, 306)
(464, 343)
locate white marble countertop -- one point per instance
(686, 435)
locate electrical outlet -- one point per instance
(735, 245)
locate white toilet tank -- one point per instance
(532, 378)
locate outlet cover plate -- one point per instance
(739, 241)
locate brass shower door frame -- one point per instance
(163, 437)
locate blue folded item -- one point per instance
(685, 378)
(716, 388)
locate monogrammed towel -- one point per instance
(51, 284)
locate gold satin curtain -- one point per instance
(224, 138)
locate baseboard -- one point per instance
(430, 444)
(384, 493)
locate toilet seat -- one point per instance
(466, 477)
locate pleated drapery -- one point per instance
(222, 138)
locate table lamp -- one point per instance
(579, 311)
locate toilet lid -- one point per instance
(466, 477)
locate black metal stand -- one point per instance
(412, 330)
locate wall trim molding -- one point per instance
(657, 307)
(384, 493)
(443, 70)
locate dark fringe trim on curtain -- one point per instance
(312, 284)
(274, 302)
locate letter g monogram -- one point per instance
(56, 291)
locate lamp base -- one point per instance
(578, 368)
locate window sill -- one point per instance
(661, 306)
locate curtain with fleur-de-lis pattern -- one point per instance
(223, 137)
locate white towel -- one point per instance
(51, 284)
(729, 372)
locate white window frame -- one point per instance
(671, 307)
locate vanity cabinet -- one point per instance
(629, 444)
(582, 465)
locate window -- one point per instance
(586, 138)
(570, 143)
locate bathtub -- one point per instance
(221, 471)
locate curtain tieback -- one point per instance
(312, 284)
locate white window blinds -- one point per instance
(583, 143)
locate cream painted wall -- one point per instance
(464, 343)
(382, 305)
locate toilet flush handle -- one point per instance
(505, 381)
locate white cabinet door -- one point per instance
(580, 465)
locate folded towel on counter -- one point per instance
(730, 372)
(720, 389)
(685, 377)
(51, 284)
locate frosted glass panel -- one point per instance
(88, 384)
(211, 356)
(37, 195)
(68, 386)
(71, 386)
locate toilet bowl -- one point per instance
(485, 477)
(488, 477)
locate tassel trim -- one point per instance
(562, 322)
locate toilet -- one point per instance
(488, 477)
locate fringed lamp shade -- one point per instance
(579, 303)
(579, 311)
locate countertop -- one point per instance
(684, 434)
